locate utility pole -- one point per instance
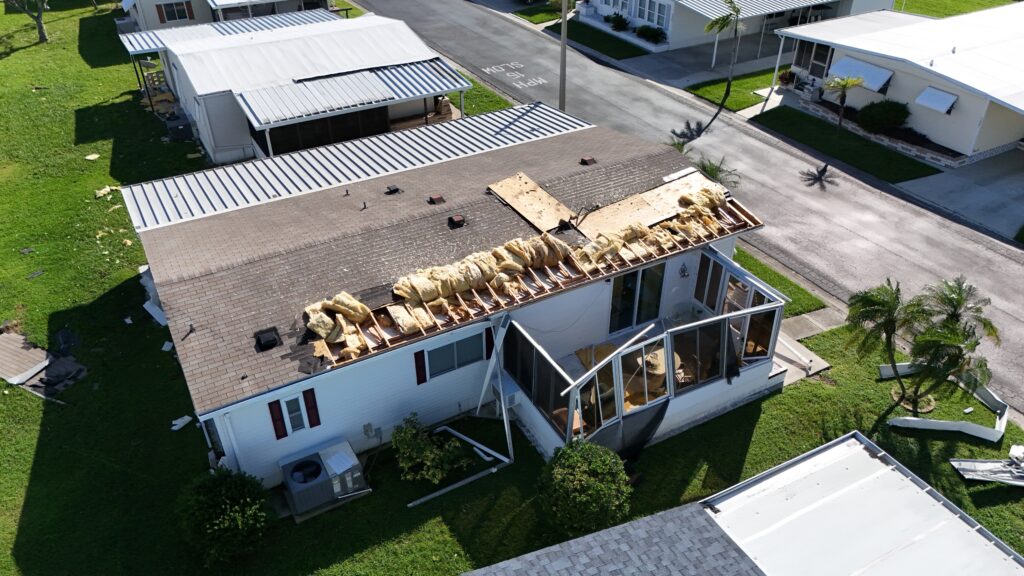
(561, 64)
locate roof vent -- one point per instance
(392, 189)
(456, 221)
(587, 161)
(438, 199)
(267, 339)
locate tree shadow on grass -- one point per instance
(137, 151)
(106, 468)
(98, 44)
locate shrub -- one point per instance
(1019, 237)
(584, 488)
(787, 77)
(619, 22)
(223, 514)
(423, 456)
(652, 34)
(884, 116)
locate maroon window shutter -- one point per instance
(160, 13)
(312, 413)
(188, 10)
(488, 342)
(421, 367)
(277, 417)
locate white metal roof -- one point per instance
(748, 8)
(219, 4)
(850, 508)
(874, 77)
(838, 30)
(155, 40)
(200, 194)
(981, 51)
(301, 101)
(282, 55)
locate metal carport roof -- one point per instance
(748, 8)
(150, 41)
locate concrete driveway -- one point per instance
(847, 238)
(989, 193)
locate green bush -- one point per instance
(619, 22)
(1019, 237)
(223, 514)
(584, 488)
(884, 116)
(652, 34)
(423, 456)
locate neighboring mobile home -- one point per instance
(684, 20)
(240, 250)
(962, 77)
(164, 14)
(267, 86)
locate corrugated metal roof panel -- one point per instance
(164, 202)
(748, 8)
(150, 41)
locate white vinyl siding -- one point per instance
(456, 355)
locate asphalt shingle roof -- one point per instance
(228, 275)
(683, 541)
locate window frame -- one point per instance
(172, 9)
(638, 291)
(288, 416)
(455, 355)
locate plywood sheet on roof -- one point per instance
(532, 202)
(649, 208)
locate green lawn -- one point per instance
(480, 99)
(802, 301)
(540, 13)
(742, 94)
(90, 486)
(599, 40)
(943, 8)
(844, 145)
(355, 10)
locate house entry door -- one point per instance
(636, 297)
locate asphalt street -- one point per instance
(844, 239)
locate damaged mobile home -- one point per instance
(579, 277)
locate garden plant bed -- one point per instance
(903, 134)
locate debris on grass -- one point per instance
(114, 207)
(35, 274)
(126, 242)
(193, 155)
(179, 423)
(26, 250)
(167, 346)
(128, 320)
(92, 157)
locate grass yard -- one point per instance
(802, 301)
(480, 99)
(943, 8)
(540, 13)
(599, 40)
(742, 94)
(354, 10)
(844, 145)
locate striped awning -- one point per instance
(712, 9)
(305, 100)
(201, 194)
(150, 41)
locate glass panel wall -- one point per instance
(643, 374)
(760, 328)
(636, 297)
(539, 379)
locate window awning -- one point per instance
(935, 99)
(302, 101)
(875, 77)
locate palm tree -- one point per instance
(879, 314)
(948, 350)
(959, 302)
(719, 25)
(841, 85)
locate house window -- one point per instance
(652, 12)
(296, 416)
(636, 297)
(455, 355)
(175, 11)
(709, 282)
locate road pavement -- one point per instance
(849, 237)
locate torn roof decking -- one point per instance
(236, 272)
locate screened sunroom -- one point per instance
(662, 365)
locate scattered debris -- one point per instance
(35, 274)
(128, 320)
(969, 409)
(26, 251)
(180, 423)
(19, 359)
(38, 88)
(126, 242)
(92, 157)
(167, 346)
(1009, 472)
(56, 377)
(193, 155)
(105, 191)
(10, 326)
(114, 207)
(100, 234)
(152, 303)
(66, 341)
